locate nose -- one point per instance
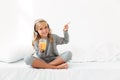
(44, 30)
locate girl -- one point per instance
(48, 58)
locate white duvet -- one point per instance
(76, 71)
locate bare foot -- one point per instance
(62, 66)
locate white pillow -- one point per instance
(14, 53)
(92, 53)
(106, 52)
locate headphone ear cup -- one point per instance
(36, 33)
(48, 26)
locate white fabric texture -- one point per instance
(102, 52)
(76, 71)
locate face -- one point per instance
(42, 29)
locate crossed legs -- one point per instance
(58, 63)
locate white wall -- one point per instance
(15, 24)
(8, 22)
(93, 22)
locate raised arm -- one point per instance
(65, 39)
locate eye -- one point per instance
(41, 29)
(46, 27)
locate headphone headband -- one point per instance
(39, 21)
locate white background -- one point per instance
(93, 22)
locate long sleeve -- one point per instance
(36, 46)
(62, 40)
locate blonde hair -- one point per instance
(36, 36)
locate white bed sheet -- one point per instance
(76, 71)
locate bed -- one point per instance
(76, 71)
(98, 63)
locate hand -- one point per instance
(40, 48)
(66, 27)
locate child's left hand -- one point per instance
(66, 27)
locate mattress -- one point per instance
(76, 71)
